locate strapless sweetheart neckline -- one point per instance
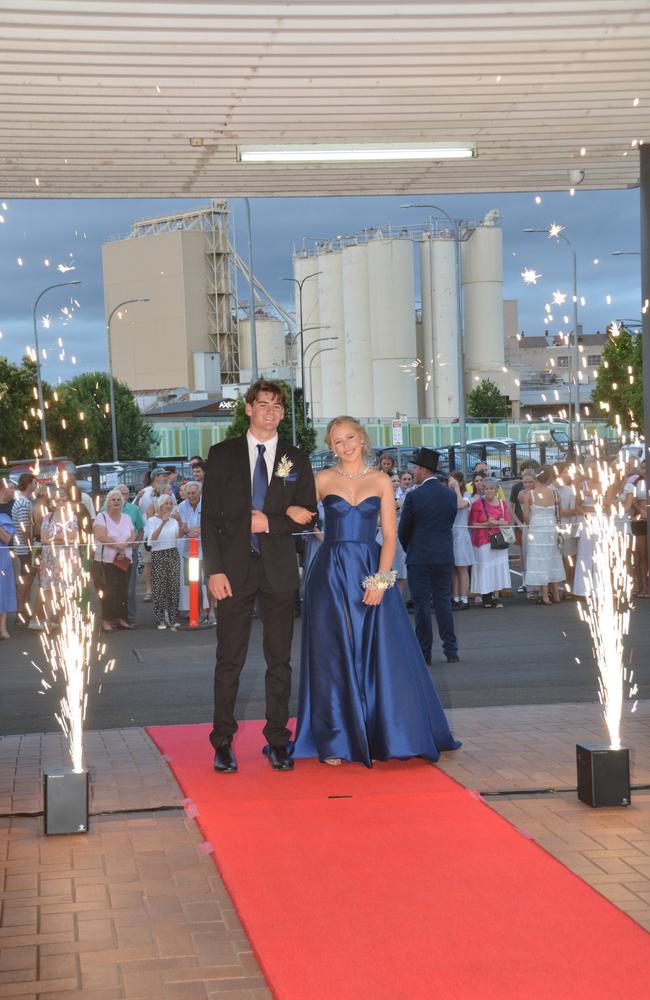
(337, 496)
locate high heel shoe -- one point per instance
(333, 761)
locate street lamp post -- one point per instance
(300, 282)
(460, 338)
(319, 340)
(251, 282)
(311, 361)
(111, 387)
(576, 351)
(292, 366)
(303, 350)
(39, 380)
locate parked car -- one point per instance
(634, 452)
(556, 442)
(402, 456)
(47, 471)
(109, 474)
(496, 452)
(321, 459)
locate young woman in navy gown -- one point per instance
(365, 691)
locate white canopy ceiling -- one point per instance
(101, 98)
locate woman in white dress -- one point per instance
(399, 560)
(491, 572)
(463, 548)
(636, 506)
(544, 566)
(586, 495)
(569, 526)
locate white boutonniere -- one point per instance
(284, 467)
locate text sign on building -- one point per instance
(398, 436)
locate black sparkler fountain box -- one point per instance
(603, 775)
(65, 800)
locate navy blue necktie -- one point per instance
(260, 486)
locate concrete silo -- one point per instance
(445, 329)
(482, 272)
(302, 267)
(271, 345)
(330, 289)
(356, 324)
(427, 353)
(392, 326)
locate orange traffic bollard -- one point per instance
(195, 584)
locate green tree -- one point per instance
(239, 423)
(81, 427)
(17, 401)
(486, 401)
(619, 383)
(305, 434)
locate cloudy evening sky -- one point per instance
(66, 232)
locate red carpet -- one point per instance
(397, 883)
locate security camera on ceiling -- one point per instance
(576, 176)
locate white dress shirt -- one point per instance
(271, 447)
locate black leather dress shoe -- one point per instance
(224, 759)
(279, 759)
(453, 659)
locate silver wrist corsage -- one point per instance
(380, 581)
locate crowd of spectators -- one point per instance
(542, 523)
(46, 530)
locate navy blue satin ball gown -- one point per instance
(365, 691)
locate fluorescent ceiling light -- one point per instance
(342, 153)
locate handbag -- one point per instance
(497, 541)
(508, 534)
(122, 562)
(500, 538)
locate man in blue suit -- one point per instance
(426, 536)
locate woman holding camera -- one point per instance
(161, 534)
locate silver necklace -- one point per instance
(352, 475)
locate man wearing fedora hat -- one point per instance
(425, 531)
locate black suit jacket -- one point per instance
(425, 524)
(226, 514)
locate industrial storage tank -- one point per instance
(482, 274)
(271, 344)
(428, 397)
(356, 321)
(392, 325)
(445, 329)
(303, 266)
(330, 289)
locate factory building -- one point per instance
(378, 311)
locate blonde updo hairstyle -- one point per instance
(354, 423)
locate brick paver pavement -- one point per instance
(136, 910)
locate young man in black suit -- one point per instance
(425, 533)
(252, 486)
